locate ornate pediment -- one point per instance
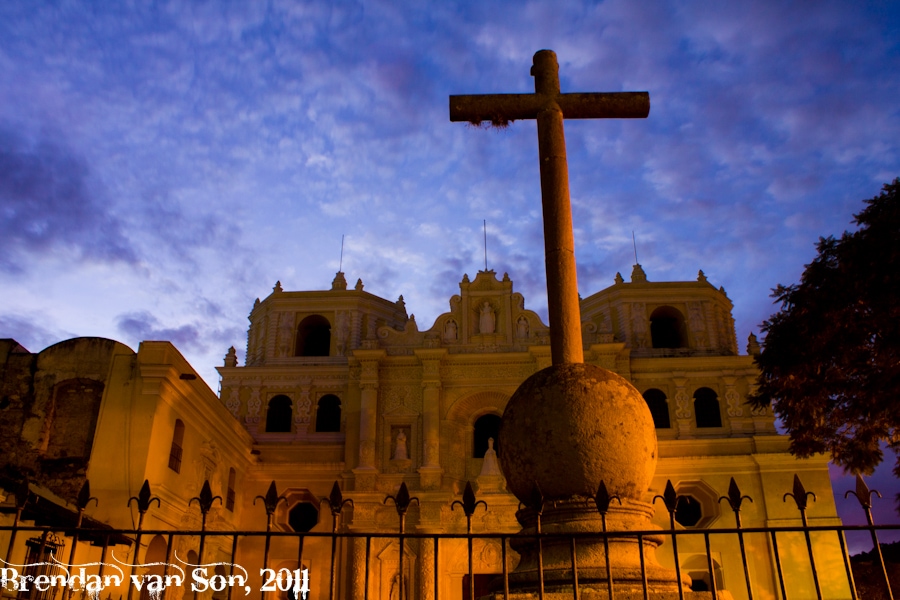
(486, 316)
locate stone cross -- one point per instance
(550, 107)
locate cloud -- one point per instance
(142, 325)
(28, 331)
(48, 204)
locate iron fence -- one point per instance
(44, 575)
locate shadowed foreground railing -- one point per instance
(116, 574)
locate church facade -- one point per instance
(342, 385)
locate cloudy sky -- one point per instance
(162, 164)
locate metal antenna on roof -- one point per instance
(341, 264)
(485, 245)
(634, 243)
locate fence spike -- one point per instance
(669, 497)
(799, 494)
(205, 499)
(84, 496)
(144, 499)
(23, 492)
(402, 500)
(603, 498)
(271, 499)
(469, 503)
(863, 493)
(734, 497)
(336, 500)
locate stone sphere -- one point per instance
(569, 427)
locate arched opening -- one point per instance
(175, 452)
(667, 328)
(659, 408)
(328, 413)
(279, 415)
(229, 495)
(706, 408)
(487, 426)
(313, 337)
(155, 557)
(76, 404)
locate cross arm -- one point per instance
(496, 108)
(503, 108)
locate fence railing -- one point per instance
(794, 555)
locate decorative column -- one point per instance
(303, 409)
(366, 471)
(734, 408)
(426, 569)
(430, 472)
(683, 410)
(358, 568)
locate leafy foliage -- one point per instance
(830, 364)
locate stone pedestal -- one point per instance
(581, 516)
(567, 429)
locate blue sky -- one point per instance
(163, 164)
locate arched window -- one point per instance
(487, 426)
(313, 337)
(328, 413)
(279, 414)
(176, 451)
(229, 496)
(706, 408)
(667, 328)
(659, 408)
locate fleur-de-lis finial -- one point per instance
(799, 494)
(734, 497)
(143, 499)
(603, 499)
(402, 500)
(669, 498)
(336, 502)
(84, 496)
(23, 492)
(863, 493)
(205, 499)
(535, 500)
(271, 499)
(468, 504)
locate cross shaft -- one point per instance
(549, 107)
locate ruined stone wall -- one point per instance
(50, 402)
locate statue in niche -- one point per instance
(395, 587)
(450, 331)
(400, 450)
(490, 465)
(522, 327)
(487, 321)
(491, 478)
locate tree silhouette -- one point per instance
(830, 364)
